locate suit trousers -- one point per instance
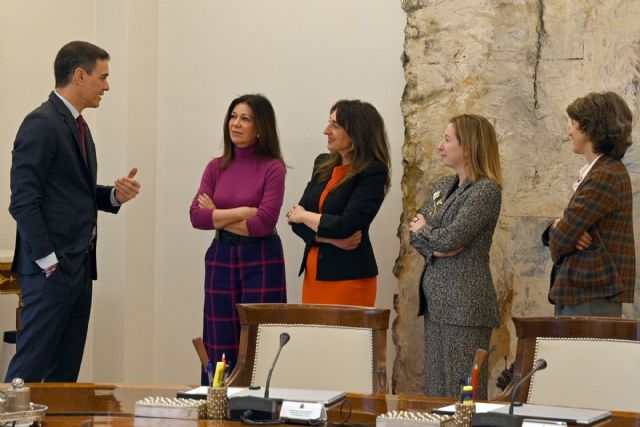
(449, 353)
(596, 307)
(54, 320)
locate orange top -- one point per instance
(347, 292)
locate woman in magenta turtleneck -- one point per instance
(240, 196)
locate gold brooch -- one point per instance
(437, 202)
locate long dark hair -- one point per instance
(267, 143)
(366, 128)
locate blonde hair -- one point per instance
(480, 146)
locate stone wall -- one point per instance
(519, 63)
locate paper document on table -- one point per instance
(327, 397)
(481, 408)
(569, 415)
(542, 423)
(202, 392)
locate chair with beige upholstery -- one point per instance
(592, 362)
(9, 283)
(332, 347)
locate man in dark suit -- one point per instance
(54, 200)
(592, 244)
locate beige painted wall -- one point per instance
(29, 40)
(175, 67)
(303, 55)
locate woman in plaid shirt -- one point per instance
(592, 243)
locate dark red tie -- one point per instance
(82, 142)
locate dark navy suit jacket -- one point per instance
(54, 196)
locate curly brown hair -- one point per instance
(606, 119)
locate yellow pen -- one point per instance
(219, 374)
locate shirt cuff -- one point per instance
(47, 261)
(114, 201)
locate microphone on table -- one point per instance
(258, 410)
(284, 339)
(538, 366)
(507, 420)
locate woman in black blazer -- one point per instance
(339, 203)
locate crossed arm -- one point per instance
(420, 221)
(298, 214)
(257, 220)
(593, 200)
(480, 208)
(233, 220)
(342, 229)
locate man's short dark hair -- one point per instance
(606, 119)
(73, 55)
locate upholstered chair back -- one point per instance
(317, 356)
(588, 373)
(332, 347)
(592, 362)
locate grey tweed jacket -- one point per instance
(459, 290)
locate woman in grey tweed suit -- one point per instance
(453, 232)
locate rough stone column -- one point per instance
(519, 63)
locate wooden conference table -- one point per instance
(113, 404)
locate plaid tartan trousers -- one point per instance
(602, 205)
(243, 273)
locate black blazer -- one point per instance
(348, 208)
(54, 196)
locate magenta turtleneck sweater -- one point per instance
(248, 181)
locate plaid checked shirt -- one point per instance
(601, 205)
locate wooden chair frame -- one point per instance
(9, 284)
(253, 315)
(528, 329)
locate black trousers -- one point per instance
(54, 321)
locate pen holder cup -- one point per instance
(464, 413)
(217, 403)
